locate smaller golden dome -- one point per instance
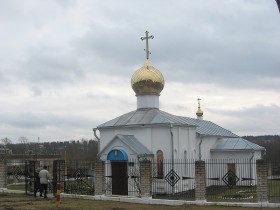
(147, 80)
(199, 112)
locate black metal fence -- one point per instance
(273, 181)
(79, 177)
(76, 177)
(17, 176)
(226, 180)
(231, 180)
(174, 179)
(170, 179)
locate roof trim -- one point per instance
(132, 138)
(117, 154)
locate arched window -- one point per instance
(159, 164)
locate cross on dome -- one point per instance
(199, 112)
(147, 37)
(147, 82)
(198, 100)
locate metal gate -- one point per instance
(58, 175)
(122, 178)
(21, 175)
(31, 167)
(76, 177)
(79, 178)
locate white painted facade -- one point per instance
(158, 138)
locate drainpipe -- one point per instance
(172, 146)
(98, 140)
(199, 148)
(251, 168)
(172, 153)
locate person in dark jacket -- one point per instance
(37, 185)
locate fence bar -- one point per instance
(273, 181)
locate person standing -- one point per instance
(44, 177)
(37, 185)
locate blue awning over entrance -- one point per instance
(117, 154)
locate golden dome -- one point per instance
(147, 80)
(199, 112)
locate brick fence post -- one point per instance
(200, 182)
(99, 180)
(262, 195)
(3, 174)
(146, 178)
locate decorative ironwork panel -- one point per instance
(177, 180)
(230, 179)
(16, 175)
(79, 177)
(172, 178)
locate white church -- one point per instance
(149, 132)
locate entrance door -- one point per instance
(231, 167)
(232, 177)
(119, 178)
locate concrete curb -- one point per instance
(151, 201)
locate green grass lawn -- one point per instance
(30, 202)
(234, 194)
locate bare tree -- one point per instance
(24, 144)
(23, 140)
(6, 141)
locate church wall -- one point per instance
(206, 145)
(143, 134)
(185, 142)
(243, 155)
(243, 161)
(161, 140)
(105, 137)
(154, 138)
(193, 150)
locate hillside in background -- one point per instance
(270, 142)
(70, 150)
(262, 138)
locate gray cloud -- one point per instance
(50, 66)
(51, 47)
(31, 120)
(255, 120)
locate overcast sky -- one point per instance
(66, 65)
